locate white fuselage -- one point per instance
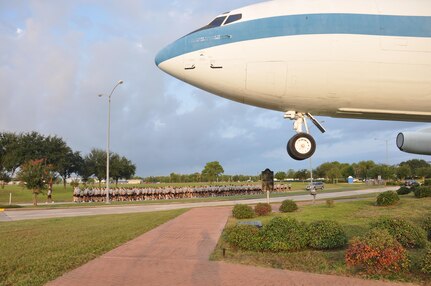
(354, 59)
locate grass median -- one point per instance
(35, 252)
(355, 217)
(21, 195)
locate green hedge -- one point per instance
(246, 237)
(404, 191)
(284, 234)
(426, 262)
(387, 198)
(242, 211)
(326, 234)
(409, 235)
(422, 192)
(288, 206)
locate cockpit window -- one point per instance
(233, 18)
(216, 22)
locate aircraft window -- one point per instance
(233, 18)
(216, 22)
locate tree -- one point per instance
(302, 174)
(403, 172)
(415, 165)
(96, 164)
(35, 175)
(121, 168)
(280, 176)
(68, 164)
(290, 174)
(212, 171)
(334, 173)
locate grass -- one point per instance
(35, 252)
(355, 216)
(21, 195)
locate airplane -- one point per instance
(368, 59)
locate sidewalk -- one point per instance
(24, 214)
(177, 252)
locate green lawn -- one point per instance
(21, 195)
(355, 217)
(37, 251)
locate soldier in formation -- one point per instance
(88, 194)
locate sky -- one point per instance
(57, 56)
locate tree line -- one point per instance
(24, 154)
(330, 171)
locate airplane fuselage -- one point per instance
(355, 59)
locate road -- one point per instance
(20, 214)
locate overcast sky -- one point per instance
(57, 56)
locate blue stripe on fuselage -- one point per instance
(292, 25)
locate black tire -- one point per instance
(301, 146)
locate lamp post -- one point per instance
(387, 151)
(108, 139)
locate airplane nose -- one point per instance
(161, 56)
(177, 48)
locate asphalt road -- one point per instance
(19, 214)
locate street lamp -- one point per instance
(108, 139)
(387, 151)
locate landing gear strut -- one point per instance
(302, 146)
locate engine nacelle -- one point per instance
(415, 142)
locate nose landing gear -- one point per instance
(302, 146)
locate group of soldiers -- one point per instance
(87, 194)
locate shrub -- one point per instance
(377, 252)
(262, 209)
(388, 198)
(426, 225)
(245, 237)
(404, 191)
(426, 262)
(330, 203)
(422, 192)
(288, 206)
(326, 234)
(409, 235)
(427, 182)
(284, 234)
(242, 211)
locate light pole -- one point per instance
(108, 139)
(387, 151)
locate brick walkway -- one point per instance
(177, 252)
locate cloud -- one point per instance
(56, 57)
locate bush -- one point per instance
(262, 209)
(409, 235)
(330, 203)
(242, 211)
(288, 206)
(404, 191)
(426, 225)
(426, 262)
(388, 198)
(284, 234)
(246, 237)
(377, 253)
(427, 182)
(422, 192)
(326, 234)
(392, 183)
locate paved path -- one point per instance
(177, 252)
(19, 214)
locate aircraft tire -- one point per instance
(301, 146)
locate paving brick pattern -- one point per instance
(177, 252)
